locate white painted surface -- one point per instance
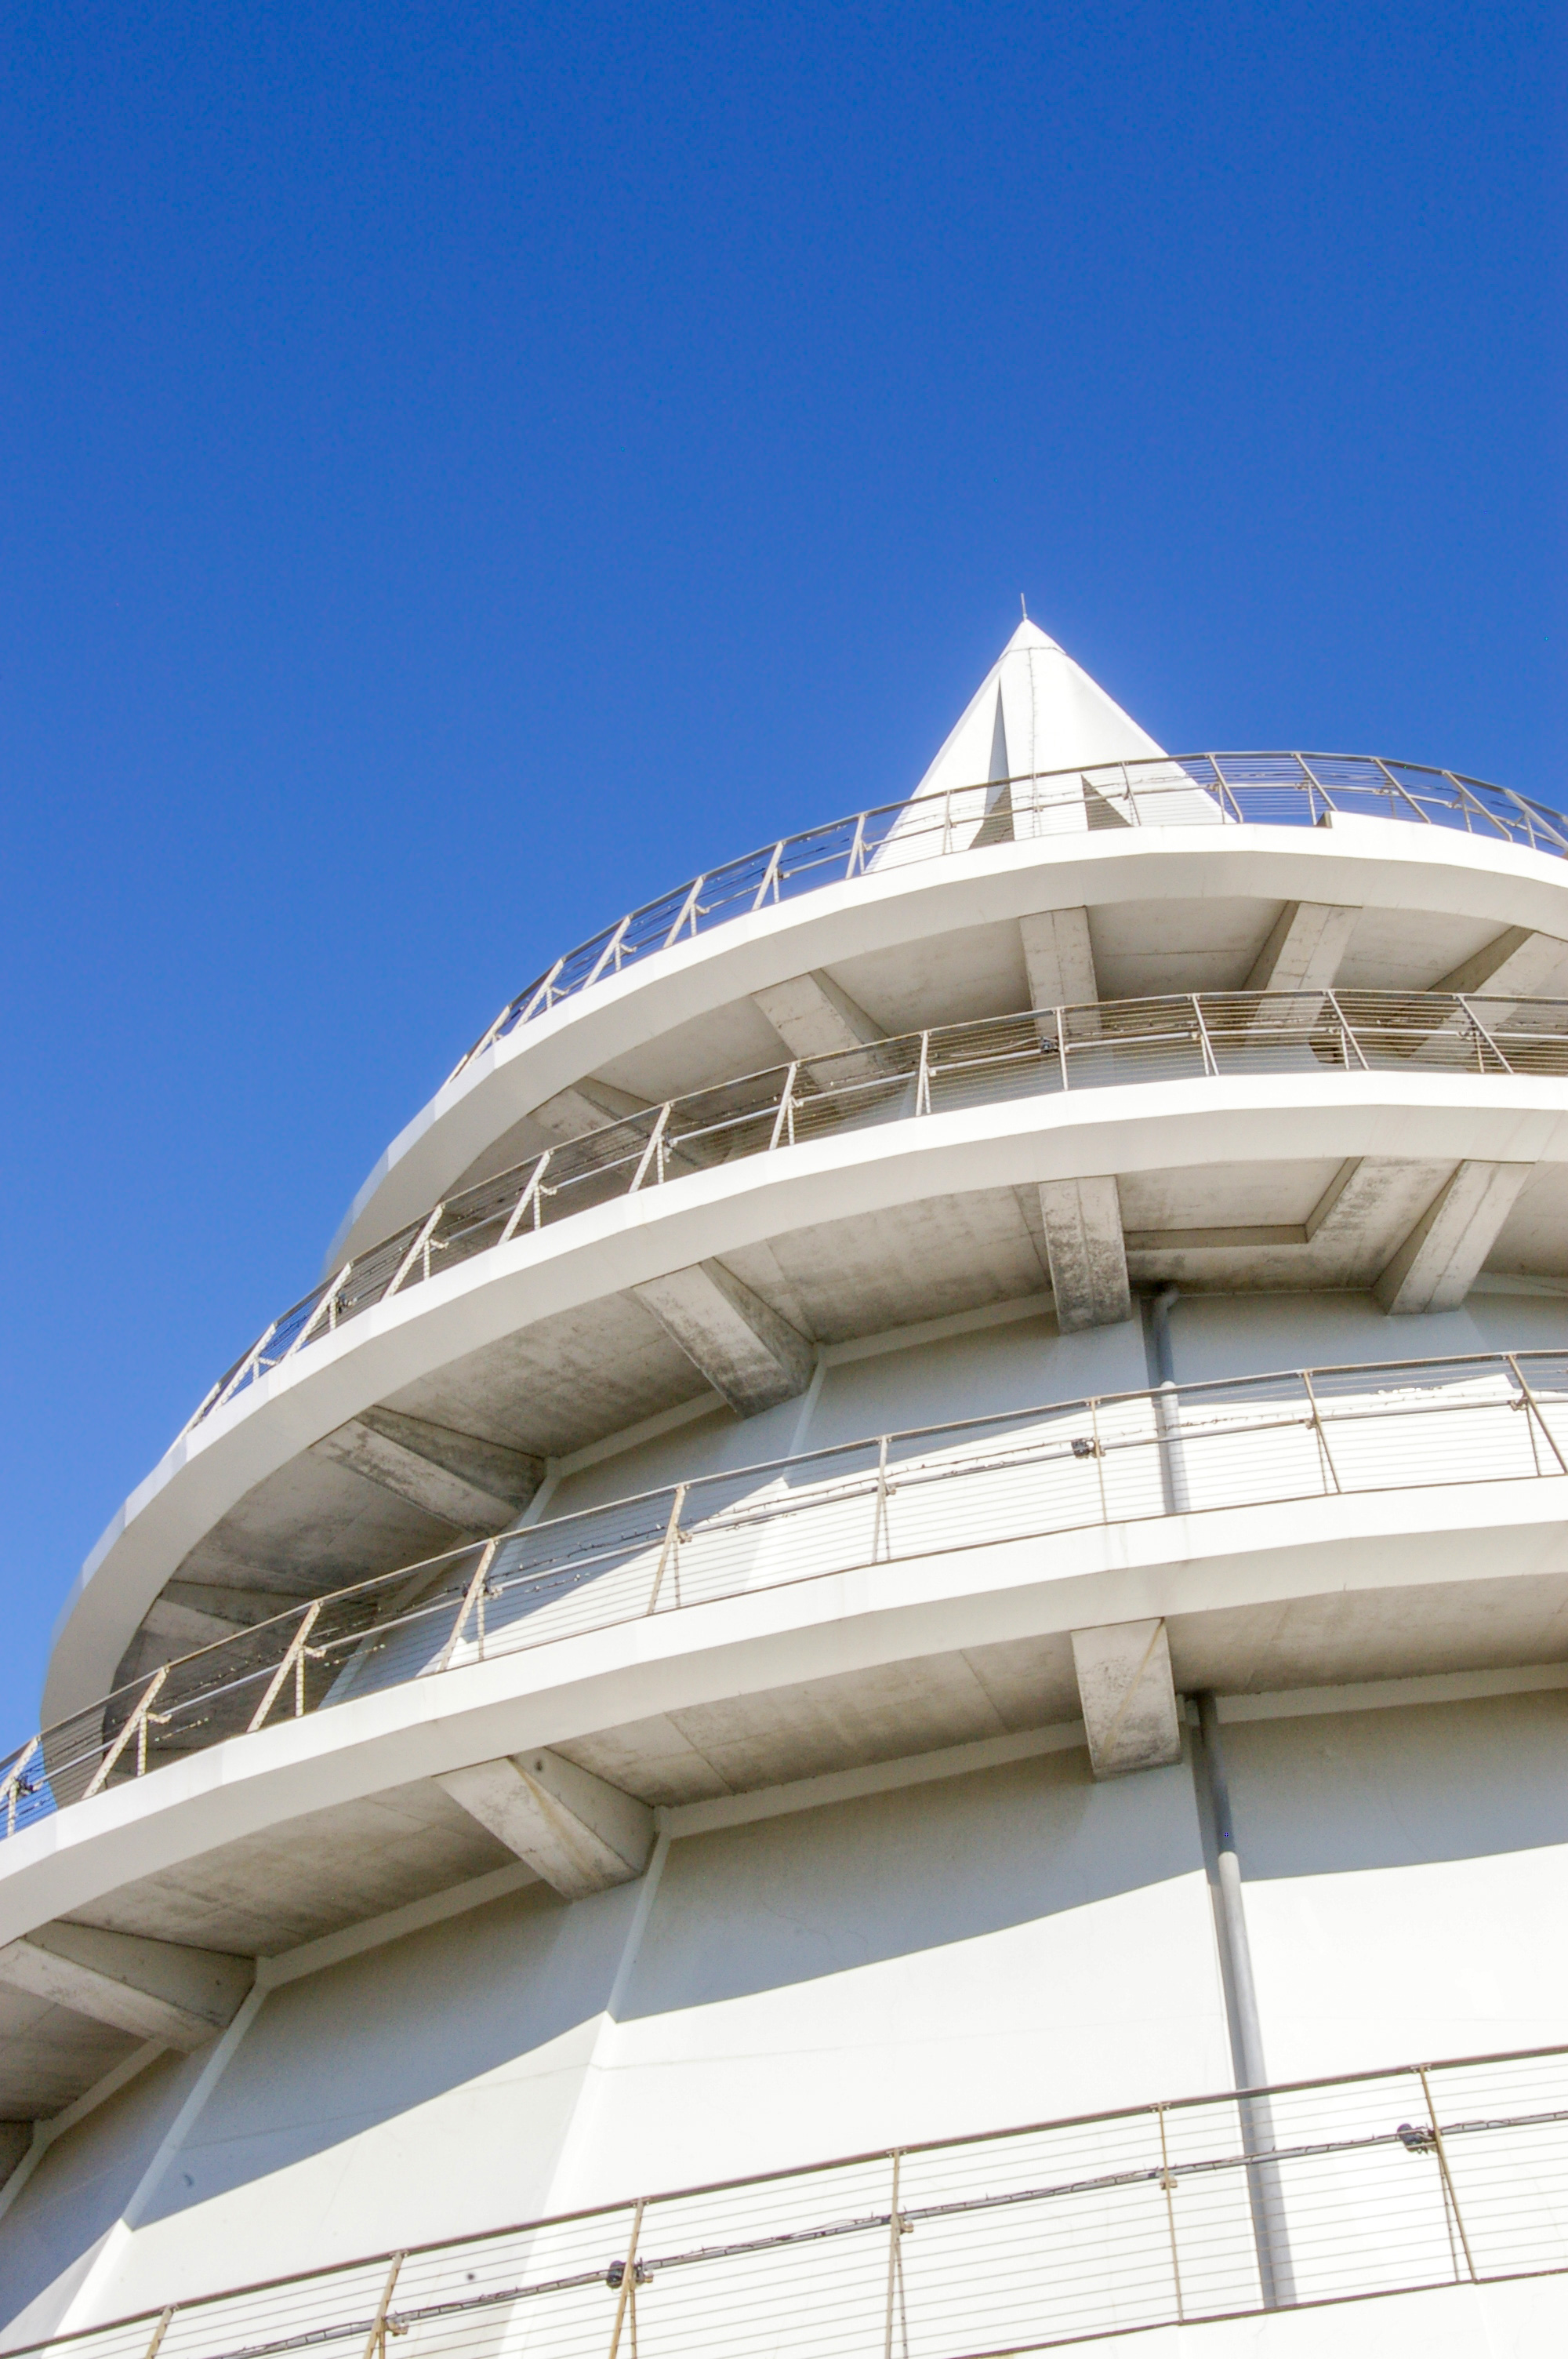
(1406, 1878)
(1398, 874)
(1008, 1945)
(1015, 1944)
(1145, 1127)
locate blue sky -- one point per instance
(465, 469)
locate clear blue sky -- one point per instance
(466, 468)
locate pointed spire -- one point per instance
(1036, 710)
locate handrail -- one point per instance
(1112, 1459)
(1039, 1053)
(1167, 790)
(1406, 2179)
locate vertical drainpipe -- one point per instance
(1167, 1411)
(1264, 2193)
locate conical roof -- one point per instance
(1036, 714)
(1036, 710)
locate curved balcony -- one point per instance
(1317, 1434)
(1176, 790)
(1044, 1052)
(1029, 2238)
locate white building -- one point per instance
(714, 1639)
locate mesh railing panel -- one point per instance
(1213, 2207)
(1065, 1466)
(1225, 1035)
(1188, 790)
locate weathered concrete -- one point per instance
(747, 1350)
(1305, 947)
(1519, 963)
(472, 1484)
(1058, 958)
(814, 1017)
(1087, 1255)
(587, 1104)
(1128, 1700)
(1438, 1262)
(156, 1990)
(577, 1833)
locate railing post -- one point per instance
(1533, 1408)
(895, 2270)
(375, 2341)
(611, 951)
(1483, 1032)
(1449, 2192)
(669, 1552)
(472, 1596)
(133, 1727)
(1167, 2181)
(688, 914)
(421, 1245)
(784, 1118)
(529, 1198)
(14, 1781)
(1317, 1426)
(881, 1538)
(295, 1656)
(1347, 1033)
(652, 1149)
(1210, 1062)
(628, 2280)
(159, 2330)
(770, 877)
(328, 1303)
(923, 1085)
(1061, 1044)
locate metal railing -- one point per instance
(1027, 1474)
(1169, 791)
(1396, 2181)
(1037, 1054)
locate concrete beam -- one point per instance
(746, 1351)
(1128, 1697)
(1303, 951)
(1086, 1252)
(154, 1990)
(191, 1613)
(1441, 1258)
(587, 1104)
(814, 1017)
(578, 1833)
(461, 1480)
(1059, 959)
(1517, 964)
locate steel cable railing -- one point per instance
(1169, 791)
(1029, 1473)
(1039, 1053)
(1395, 2182)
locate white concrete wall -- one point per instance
(991, 1366)
(1016, 1943)
(1218, 1335)
(1008, 1945)
(1406, 1879)
(882, 1386)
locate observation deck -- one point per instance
(912, 1331)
